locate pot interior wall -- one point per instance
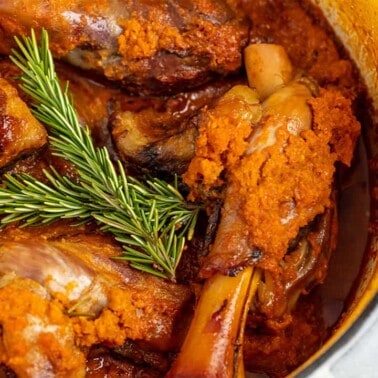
(348, 258)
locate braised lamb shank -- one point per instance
(231, 104)
(150, 46)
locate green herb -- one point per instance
(150, 218)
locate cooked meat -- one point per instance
(103, 363)
(152, 47)
(93, 102)
(159, 133)
(162, 84)
(307, 38)
(289, 187)
(70, 275)
(154, 133)
(274, 161)
(143, 356)
(278, 179)
(92, 98)
(303, 267)
(224, 129)
(20, 132)
(170, 155)
(36, 339)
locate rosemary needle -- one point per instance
(150, 218)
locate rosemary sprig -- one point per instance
(150, 218)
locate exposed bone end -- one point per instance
(268, 68)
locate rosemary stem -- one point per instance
(150, 218)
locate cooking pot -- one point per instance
(350, 292)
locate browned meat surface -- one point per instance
(224, 129)
(154, 133)
(157, 47)
(276, 173)
(102, 364)
(20, 132)
(36, 339)
(159, 133)
(275, 189)
(76, 297)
